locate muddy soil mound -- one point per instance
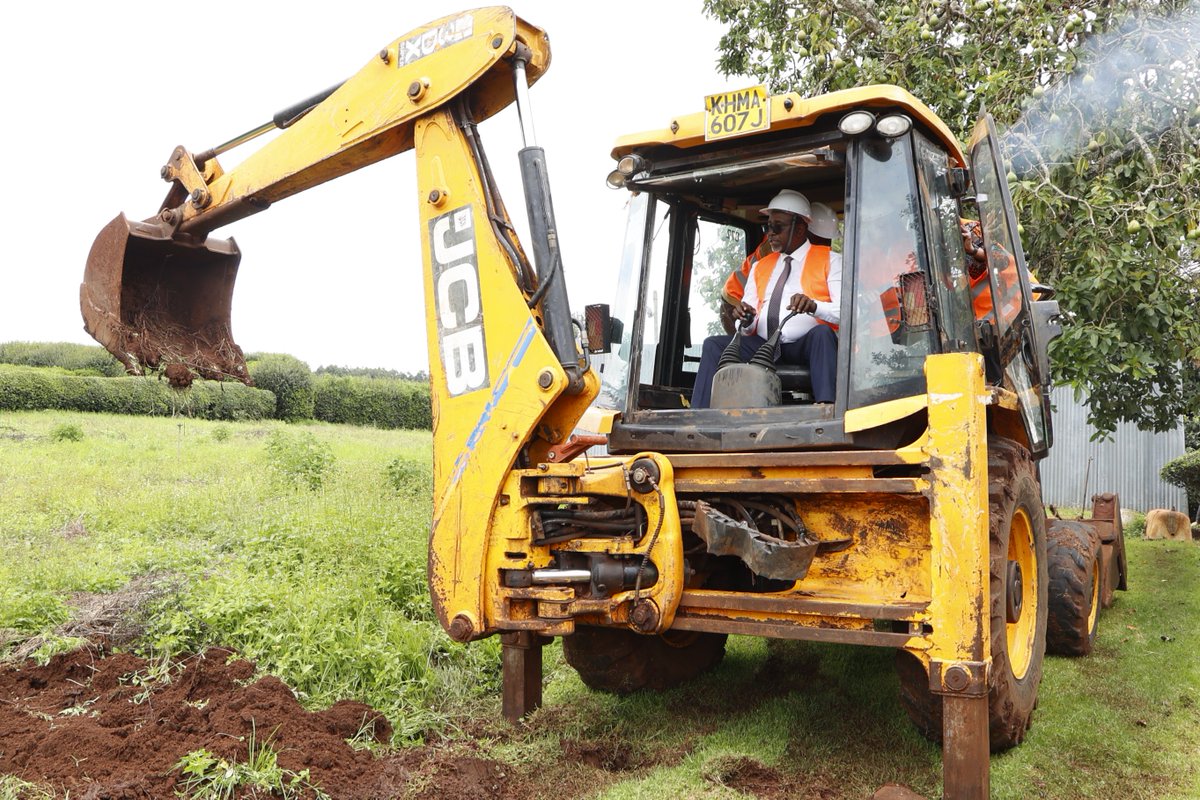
(100, 726)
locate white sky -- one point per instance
(99, 94)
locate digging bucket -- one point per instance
(155, 301)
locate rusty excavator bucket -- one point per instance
(158, 301)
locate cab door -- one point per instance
(1021, 353)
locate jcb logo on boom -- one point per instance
(429, 42)
(457, 302)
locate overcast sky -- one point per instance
(99, 94)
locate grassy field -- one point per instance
(303, 547)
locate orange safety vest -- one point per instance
(814, 277)
(735, 284)
(889, 298)
(981, 288)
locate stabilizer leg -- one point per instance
(521, 657)
(965, 747)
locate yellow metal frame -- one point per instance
(793, 111)
(554, 610)
(478, 433)
(1020, 634)
(370, 117)
(919, 560)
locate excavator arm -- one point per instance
(157, 292)
(370, 117)
(507, 379)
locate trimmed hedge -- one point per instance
(78, 358)
(382, 403)
(36, 389)
(372, 372)
(63, 376)
(291, 381)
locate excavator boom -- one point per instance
(157, 293)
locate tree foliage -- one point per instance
(420, 376)
(1099, 101)
(711, 271)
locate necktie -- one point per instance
(777, 296)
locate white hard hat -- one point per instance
(824, 221)
(792, 202)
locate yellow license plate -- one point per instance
(735, 113)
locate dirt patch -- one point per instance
(609, 755)
(73, 529)
(744, 774)
(15, 434)
(103, 726)
(752, 777)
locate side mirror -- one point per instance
(1047, 323)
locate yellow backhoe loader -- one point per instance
(577, 492)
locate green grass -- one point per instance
(323, 584)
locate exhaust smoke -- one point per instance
(1132, 85)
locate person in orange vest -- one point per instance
(977, 273)
(798, 276)
(822, 229)
(889, 298)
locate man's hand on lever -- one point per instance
(802, 304)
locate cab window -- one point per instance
(892, 330)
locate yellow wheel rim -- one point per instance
(1095, 597)
(1021, 633)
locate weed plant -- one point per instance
(13, 788)
(67, 432)
(408, 477)
(299, 458)
(209, 777)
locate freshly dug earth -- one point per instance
(96, 725)
(100, 726)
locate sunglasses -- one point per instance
(776, 227)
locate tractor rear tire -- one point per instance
(1018, 649)
(1073, 561)
(620, 661)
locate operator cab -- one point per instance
(896, 177)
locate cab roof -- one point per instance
(793, 111)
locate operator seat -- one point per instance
(794, 378)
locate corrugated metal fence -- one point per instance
(1128, 463)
